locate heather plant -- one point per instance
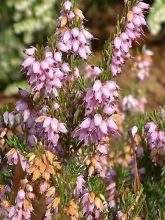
(66, 150)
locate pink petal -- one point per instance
(86, 123)
(47, 122)
(97, 119)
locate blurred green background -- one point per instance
(29, 22)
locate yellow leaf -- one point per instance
(79, 13)
(50, 156)
(57, 165)
(36, 174)
(46, 176)
(91, 197)
(64, 21)
(31, 157)
(50, 191)
(98, 203)
(130, 15)
(12, 151)
(73, 211)
(31, 169)
(44, 159)
(27, 204)
(137, 139)
(56, 202)
(40, 119)
(38, 162)
(5, 204)
(102, 197)
(91, 170)
(50, 169)
(94, 161)
(42, 167)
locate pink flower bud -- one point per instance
(44, 65)
(87, 34)
(6, 117)
(36, 67)
(109, 110)
(21, 194)
(136, 21)
(103, 127)
(97, 119)
(76, 72)
(143, 5)
(97, 85)
(56, 106)
(134, 131)
(86, 123)
(28, 62)
(29, 188)
(82, 53)
(54, 124)
(66, 36)
(124, 36)
(26, 115)
(30, 51)
(59, 73)
(103, 149)
(97, 70)
(62, 47)
(76, 45)
(137, 10)
(58, 56)
(88, 50)
(67, 5)
(71, 15)
(111, 123)
(47, 122)
(62, 128)
(117, 42)
(24, 93)
(82, 38)
(65, 67)
(57, 82)
(75, 32)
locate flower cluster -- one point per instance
(94, 130)
(102, 95)
(92, 205)
(111, 189)
(45, 70)
(143, 64)
(73, 38)
(132, 104)
(23, 207)
(99, 163)
(51, 129)
(14, 157)
(92, 71)
(137, 153)
(156, 141)
(132, 31)
(4, 203)
(80, 185)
